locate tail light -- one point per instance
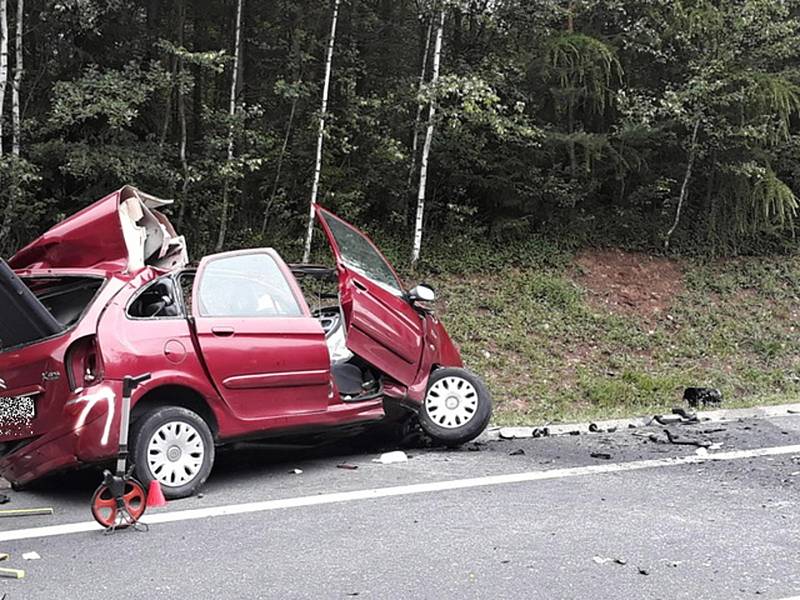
(84, 366)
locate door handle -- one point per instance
(359, 285)
(222, 331)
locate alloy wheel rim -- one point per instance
(451, 402)
(175, 453)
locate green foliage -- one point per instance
(555, 119)
(114, 96)
(214, 60)
(22, 210)
(584, 67)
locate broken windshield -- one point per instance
(359, 255)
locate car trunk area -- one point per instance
(39, 311)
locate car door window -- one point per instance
(157, 301)
(246, 285)
(361, 256)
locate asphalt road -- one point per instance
(635, 525)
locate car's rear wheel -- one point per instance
(174, 446)
(457, 406)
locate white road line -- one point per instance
(403, 490)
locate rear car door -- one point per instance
(382, 326)
(265, 352)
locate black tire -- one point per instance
(460, 434)
(146, 427)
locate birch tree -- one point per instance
(3, 62)
(223, 224)
(15, 87)
(426, 148)
(321, 135)
(685, 186)
(420, 105)
(182, 116)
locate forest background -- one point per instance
(610, 188)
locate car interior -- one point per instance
(158, 300)
(354, 378)
(65, 297)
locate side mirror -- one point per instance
(422, 293)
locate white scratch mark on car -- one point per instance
(91, 400)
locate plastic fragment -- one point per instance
(603, 455)
(388, 458)
(12, 573)
(685, 442)
(513, 433)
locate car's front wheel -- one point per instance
(457, 406)
(174, 446)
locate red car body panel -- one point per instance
(256, 376)
(382, 327)
(91, 238)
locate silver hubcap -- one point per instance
(175, 453)
(451, 402)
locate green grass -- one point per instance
(549, 351)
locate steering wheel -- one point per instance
(157, 307)
(330, 318)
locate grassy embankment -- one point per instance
(563, 335)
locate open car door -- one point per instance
(382, 326)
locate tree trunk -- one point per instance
(16, 128)
(3, 62)
(223, 223)
(418, 119)
(182, 119)
(270, 202)
(168, 103)
(321, 135)
(573, 157)
(426, 149)
(184, 161)
(685, 186)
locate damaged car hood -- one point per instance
(123, 232)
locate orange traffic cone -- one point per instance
(155, 497)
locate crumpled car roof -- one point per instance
(123, 232)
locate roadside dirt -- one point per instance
(630, 283)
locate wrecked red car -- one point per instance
(234, 350)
